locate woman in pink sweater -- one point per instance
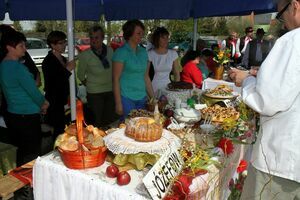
(190, 72)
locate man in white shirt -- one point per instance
(274, 172)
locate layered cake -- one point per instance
(143, 129)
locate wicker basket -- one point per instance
(81, 159)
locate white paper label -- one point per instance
(159, 178)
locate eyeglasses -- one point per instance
(279, 14)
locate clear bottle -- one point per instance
(193, 92)
(156, 114)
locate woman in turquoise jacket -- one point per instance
(24, 100)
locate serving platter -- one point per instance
(117, 142)
(220, 96)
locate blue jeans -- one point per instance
(129, 104)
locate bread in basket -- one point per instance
(81, 147)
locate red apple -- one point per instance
(123, 178)
(167, 122)
(112, 171)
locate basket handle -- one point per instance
(79, 121)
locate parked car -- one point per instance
(116, 42)
(66, 52)
(37, 49)
(82, 44)
(184, 46)
(211, 41)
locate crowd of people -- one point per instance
(247, 51)
(116, 82)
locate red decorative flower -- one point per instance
(242, 166)
(226, 145)
(172, 197)
(181, 186)
(239, 187)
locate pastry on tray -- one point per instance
(221, 91)
(219, 114)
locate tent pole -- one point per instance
(195, 33)
(70, 34)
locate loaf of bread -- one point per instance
(143, 129)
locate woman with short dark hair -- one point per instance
(190, 72)
(56, 72)
(131, 81)
(24, 100)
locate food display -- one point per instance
(143, 129)
(140, 113)
(93, 139)
(139, 144)
(219, 114)
(87, 152)
(174, 86)
(221, 91)
(141, 141)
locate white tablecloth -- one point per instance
(52, 180)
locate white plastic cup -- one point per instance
(183, 105)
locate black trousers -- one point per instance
(56, 117)
(102, 106)
(25, 134)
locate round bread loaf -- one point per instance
(143, 129)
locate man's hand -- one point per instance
(254, 69)
(238, 76)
